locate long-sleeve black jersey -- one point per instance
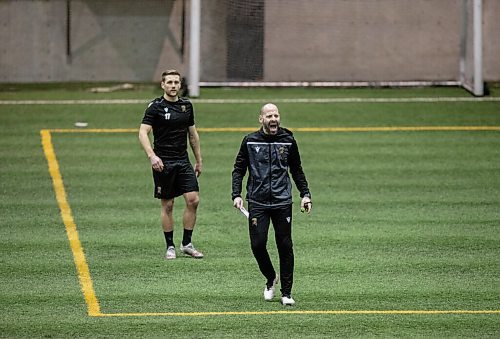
(269, 159)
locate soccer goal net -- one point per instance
(336, 43)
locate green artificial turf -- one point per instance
(403, 221)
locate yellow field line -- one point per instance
(299, 129)
(86, 284)
(94, 130)
(326, 312)
(397, 129)
(71, 231)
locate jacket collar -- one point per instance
(271, 136)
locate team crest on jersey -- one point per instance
(257, 149)
(183, 108)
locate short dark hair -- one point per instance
(169, 72)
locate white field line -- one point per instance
(297, 129)
(254, 101)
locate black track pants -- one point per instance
(259, 221)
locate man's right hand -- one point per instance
(237, 202)
(156, 163)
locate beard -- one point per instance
(172, 93)
(271, 127)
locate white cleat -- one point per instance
(170, 253)
(269, 291)
(191, 251)
(287, 301)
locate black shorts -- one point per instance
(177, 178)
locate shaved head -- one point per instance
(268, 108)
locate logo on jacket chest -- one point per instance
(283, 152)
(167, 113)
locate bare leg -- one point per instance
(167, 218)
(189, 220)
(192, 200)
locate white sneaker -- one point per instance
(269, 291)
(191, 251)
(287, 301)
(170, 253)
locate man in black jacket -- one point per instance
(269, 154)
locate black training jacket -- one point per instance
(269, 159)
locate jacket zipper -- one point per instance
(270, 176)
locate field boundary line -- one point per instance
(298, 129)
(82, 267)
(299, 312)
(86, 284)
(254, 101)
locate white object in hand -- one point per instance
(244, 211)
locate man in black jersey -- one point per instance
(172, 121)
(269, 154)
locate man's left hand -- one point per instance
(197, 169)
(306, 205)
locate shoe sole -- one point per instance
(287, 304)
(192, 256)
